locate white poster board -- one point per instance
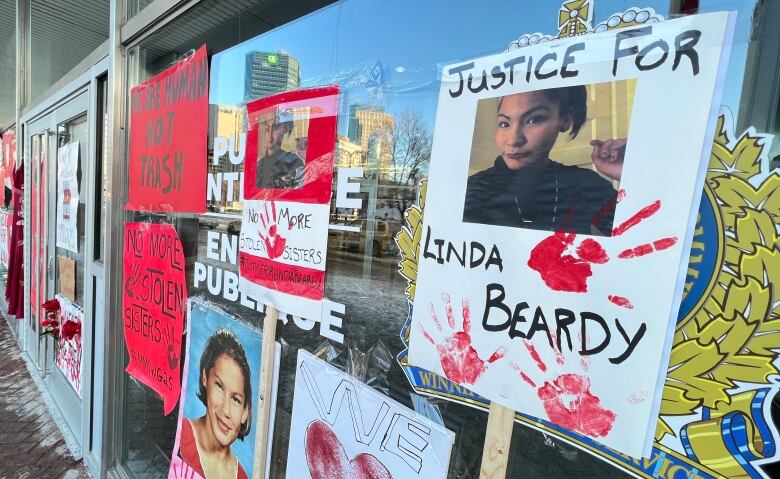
(68, 196)
(550, 288)
(342, 428)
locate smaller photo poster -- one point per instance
(68, 196)
(168, 137)
(219, 397)
(287, 189)
(154, 302)
(344, 429)
(67, 356)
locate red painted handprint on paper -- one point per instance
(568, 401)
(565, 265)
(274, 243)
(459, 359)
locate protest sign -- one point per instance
(289, 171)
(6, 225)
(67, 356)
(344, 428)
(67, 277)
(7, 157)
(155, 295)
(68, 196)
(571, 269)
(168, 135)
(222, 366)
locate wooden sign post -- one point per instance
(265, 396)
(498, 439)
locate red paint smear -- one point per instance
(466, 311)
(327, 458)
(500, 353)
(527, 379)
(448, 309)
(621, 301)
(559, 271)
(428, 336)
(535, 355)
(592, 252)
(460, 360)
(583, 413)
(523, 375)
(647, 248)
(558, 354)
(435, 317)
(642, 215)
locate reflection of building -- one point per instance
(349, 154)
(372, 129)
(267, 73)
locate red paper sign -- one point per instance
(168, 135)
(7, 155)
(155, 301)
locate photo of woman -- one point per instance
(218, 412)
(526, 188)
(226, 391)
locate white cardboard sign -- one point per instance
(68, 196)
(525, 295)
(343, 428)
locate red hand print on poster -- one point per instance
(562, 270)
(168, 135)
(460, 360)
(567, 398)
(154, 305)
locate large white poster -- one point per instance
(344, 429)
(68, 196)
(563, 187)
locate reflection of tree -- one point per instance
(411, 146)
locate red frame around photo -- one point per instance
(318, 172)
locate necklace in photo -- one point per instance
(554, 212)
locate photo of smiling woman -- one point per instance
(218, 409)
(226, 391)
(528, 185)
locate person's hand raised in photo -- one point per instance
(608, 156)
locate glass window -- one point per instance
(387, 58)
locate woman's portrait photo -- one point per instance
(550, 159)
(219, 408)
(282, 144)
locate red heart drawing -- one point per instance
(328, 459)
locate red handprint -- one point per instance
(562, 269)
(459, 359)
(274, 243)
(567, 400)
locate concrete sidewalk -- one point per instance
(31, 445)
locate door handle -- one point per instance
(50, 265)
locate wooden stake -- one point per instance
(498, 439)
(265, 396)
